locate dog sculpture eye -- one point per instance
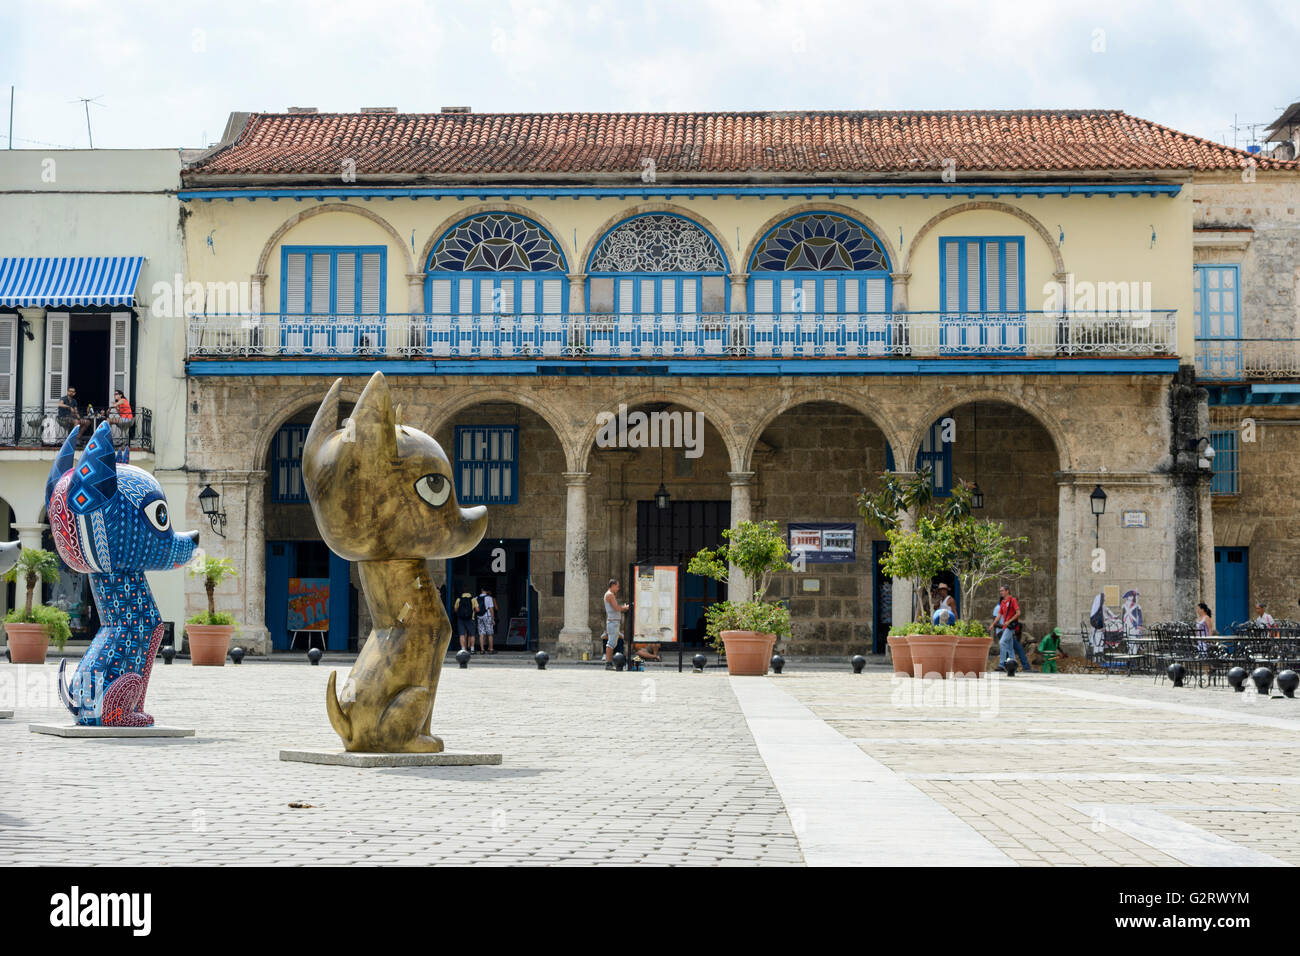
(434, 489)
(156, 512)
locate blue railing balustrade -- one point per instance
(686, 335)
(1242, 360)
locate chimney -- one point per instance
(379, 109)
(456, 109)
(302, 109)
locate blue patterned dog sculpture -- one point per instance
(110, 521)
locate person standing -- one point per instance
(1008, 618)
(945, 611)
(466, 610)
(487, 620)
(1262, 616)
(613, 621)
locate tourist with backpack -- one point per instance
(465, 611)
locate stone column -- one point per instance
(255, 634)
(1067, 553)
(402, 336)
(901, 340)
(738, 340)
(29, 535)
(738, 586)
(259, 335)
(577, 309)
(575, 636)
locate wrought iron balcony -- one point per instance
(1247, 360)
(42, 428)
(686, 336)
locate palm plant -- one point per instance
(213, 571)
(34, 566)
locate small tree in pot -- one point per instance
(209, 633)
(31, 629)
(747, 630)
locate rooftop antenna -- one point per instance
(86, 101)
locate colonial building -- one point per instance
(1246, 244)
(1001, 297)
(88, 238)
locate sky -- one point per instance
(168, 74)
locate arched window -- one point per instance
(496, 264)
(657, 264)
(815, 281)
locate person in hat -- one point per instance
(1050, 650)
(945, 610)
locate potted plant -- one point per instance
(31, 629)
(918, 556)
(747, 631)
(982, 552)
(209, 633)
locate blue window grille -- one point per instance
(819, 284)
(1225, 462)
(1216, 295)
(487, 464)
(333, 299)
(662, 280)
(286, 464)
(982, 293)
(935, 454)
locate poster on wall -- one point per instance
(309, 604)
(655, 603)
(824, 543)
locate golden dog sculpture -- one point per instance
(383, 496)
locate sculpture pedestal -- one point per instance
(76, 730)
(343, 758)
(6, 714)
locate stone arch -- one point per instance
(985, 204)
(714, 414)
(1065, 455)
(467, 398)
(814, 207)
(641, 209)
(480, 209)
(273, 243)
(858, 402)
(295, 403)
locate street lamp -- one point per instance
(661, 497)
(210, 503)
(1205, 458)
(976, 497)
(1098, 502)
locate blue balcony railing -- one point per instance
(1248, 360)
(686, 335)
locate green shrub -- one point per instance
(960, 629)
(207, 617)
(746, 616)
(52, 619)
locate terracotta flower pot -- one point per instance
(902, 655)
(932, 654)
(971, 656)
(27, 643)
(749, 653)
(209, 643)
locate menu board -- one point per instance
(655, 605)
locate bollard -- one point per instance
(619, 661)
(698, 662)
(1287, 682)
(237, 655)
(1176, 674)
(1011, 667)
(541, 657)
(1237, 678)
(168, 653)
(314, 655)
(1263, 678)
(778, 662)
(858, 662)
(462, 658)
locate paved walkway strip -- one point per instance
(1184, 842)
(848, 809)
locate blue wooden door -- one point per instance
(1231, 587)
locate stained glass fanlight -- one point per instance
(819, 242)
(497, 242)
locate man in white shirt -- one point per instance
(613, 622)
(1262, 616)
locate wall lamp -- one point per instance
(210, 503)
(1205, 457)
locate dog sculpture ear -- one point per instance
(94, 479)
(325, 424)
(62, 464)
(374, 421)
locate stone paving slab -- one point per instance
(101, 733)
(343, 758)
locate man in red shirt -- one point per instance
(1009, 645)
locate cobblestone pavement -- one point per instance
(662, 768)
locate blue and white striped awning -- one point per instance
(68, 281)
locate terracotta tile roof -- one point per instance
(701, 144)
